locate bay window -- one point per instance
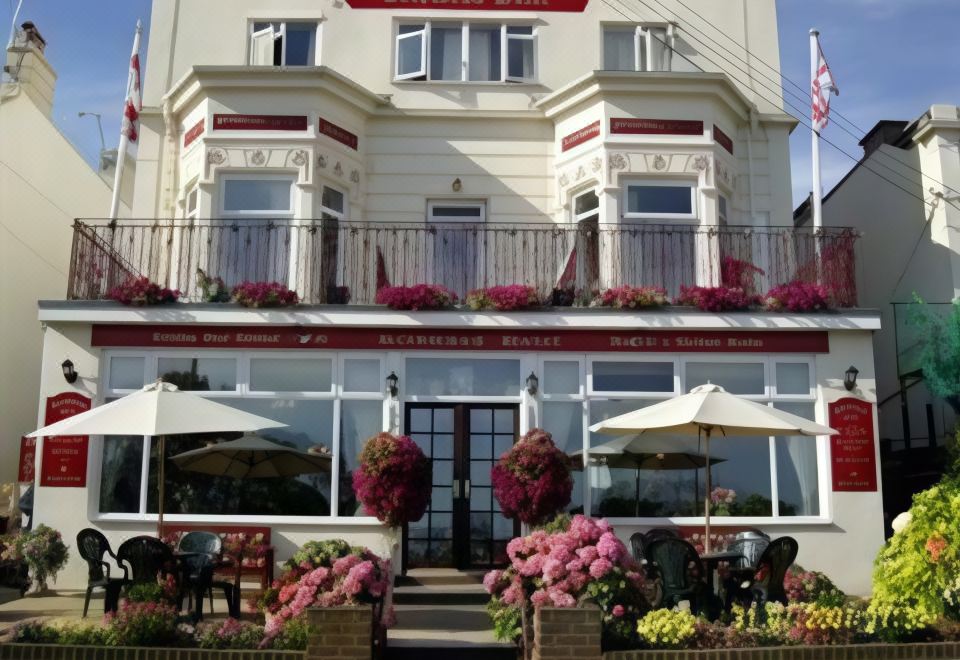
(465, 52)
(660, 200)
(638, 48)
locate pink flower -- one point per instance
(600, 568)
(617, 611)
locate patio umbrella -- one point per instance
(705, 410)
(252, 457)
(159, 409)
(618, 456)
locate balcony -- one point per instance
(334, 262)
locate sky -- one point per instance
(892, 59)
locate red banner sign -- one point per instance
(190, 136)
(656, 127)
(579, 137)
(722, 139)
(627, 341)
(64, 461)
(28, 456)
(852, 452)
(497, 5)
(259, 123)
(334, 132)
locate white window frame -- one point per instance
(478, 203)
(723, 210)
(653, 182)
(282, 34)
(586, 215)
(192, 190)
(256, 213)
(340, 216)
(424, 70)
(642, 43)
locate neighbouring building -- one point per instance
(912, 227)
(44, 184)
(569, 145)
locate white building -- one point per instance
(340, 146)
(912, 226)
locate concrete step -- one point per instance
(439, 576)
(428, 632)
(460, 594)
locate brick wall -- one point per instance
(948, 651)
(59, 652)
(339, 632)
(566, 633)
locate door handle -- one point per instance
(466, 489)
(456, 489)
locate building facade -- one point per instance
(340, 147)
(912, 226)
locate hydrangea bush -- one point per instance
(326, 574)
(738, 273)
(417, 297)
(264, 294)
(585, 562)
(797, 297)
(393, 480)
(532, 481)
(140, 292)
(504, 298)
(41, 549)
(633, 297)
(214, 289)
(716, 299)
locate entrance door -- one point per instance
(463, 526)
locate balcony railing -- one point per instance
(327, 261)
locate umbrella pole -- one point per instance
(160, 484)
(636, 506)
(706, 499)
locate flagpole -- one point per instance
(817, 193)
(124, 138)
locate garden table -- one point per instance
(712, 561)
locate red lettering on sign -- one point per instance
(656, 127)
(28, 456)
(579, 137)
(651, 341)
(498, 5)
(259, 123)
(341, 135)
(722, 139)
(852, 452)
(64, 460)
(190, 136)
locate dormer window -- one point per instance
(465, 52)
(637, 48)
(283, 43)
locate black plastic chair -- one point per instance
(93, 546)
(652, 535)
(148, 558)
(751, 547)
(210, 545)
(680, 572)
(637, 544)
(197, 580)
(737, 585)
(776, 559)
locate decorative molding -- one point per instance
(564, 180)
(618, 162)
(300, 158)
(355, 176)
(596, 164)
(322, 162)
(580, 173)
(338, 169)
(659, 162)
(258, 158)
(701, 163)
(216, 157)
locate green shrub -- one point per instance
(82, 635)
(507, 624)
(143, 624)
(231, 634)
(293, 635)
(35, 632)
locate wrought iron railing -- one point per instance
(327, 261)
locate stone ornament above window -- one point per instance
(250, 158)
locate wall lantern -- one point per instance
(533, 383)
(393, 384)
(850, 378)
(69, 373)
(457, 185)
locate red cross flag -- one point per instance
(134, 103)
(823, 86)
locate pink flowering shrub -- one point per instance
(586, 562)
(264, 294)
(739, 274)
(326, 574)
(230, 634)
(416, 297)
(504, 298)
(143, 624)
(721, 500)
(716, 299)
(251, 550)
(393, 480)
(797, 297)
(532, 480)
(140, 291)
(811, 587)
(633, 297)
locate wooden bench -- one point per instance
(264, 573)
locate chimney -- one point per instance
(885, 132)
(28, 68)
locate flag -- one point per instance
(134, 103)
(823, 85)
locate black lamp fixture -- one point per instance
(69, 373)
(393, 383)
(533, 383)
(850, 378)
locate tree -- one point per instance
(939, 346)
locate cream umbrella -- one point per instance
(159, 409)
(252, 457)
(705, 410)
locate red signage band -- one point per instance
(853, 457)
(64, 460)
(334, 132)
(722, 139)
(626, 126)
(190, 136)
(28, 456)
(627, 341)
(579, 137)
(483, 5)
(259, 123)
